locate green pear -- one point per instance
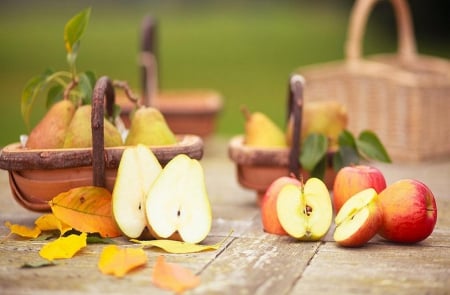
(50, 132)
(261, 131)
(79, 133)
(149, 127)
(324, 117)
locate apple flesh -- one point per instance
(269, 215)
(177, 204)
(359, 219)
(353, 179)
(137, 170)
(409, 211)
(305, 212)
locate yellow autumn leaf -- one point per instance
(23, 231)
(173, 277)
(86, 209)
(48, 222)
(63, 247)
(119, 261)
(179, 247)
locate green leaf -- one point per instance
(38, 264)
(349, 156)
(346, 139)
(32, 89)
(85, 86)
(371, 147)
(313, 150)
(319, 169)
(54, 94)
(74, 29)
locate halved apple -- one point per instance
(177, 205)
(359, 219)
(137, 170)
(305, 212)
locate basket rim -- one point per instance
(14, 157)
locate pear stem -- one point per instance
(246, 113)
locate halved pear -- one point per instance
(137, 170)
(177, 205)
(305, 212)
(359, 219)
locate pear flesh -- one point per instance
(137, 170)
(149, 127)
(79, 133)
(177, 203)
(51, 131)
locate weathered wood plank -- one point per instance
(377, 269)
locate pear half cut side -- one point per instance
(177, 204)
(137, 170)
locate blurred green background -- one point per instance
(244, 49)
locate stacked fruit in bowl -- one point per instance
(81, 137)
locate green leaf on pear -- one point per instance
(74, 29)
(31, 90)
(313, 150)
(371, 147)
(54, 94)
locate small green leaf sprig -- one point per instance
(315, 156)
(71, 84)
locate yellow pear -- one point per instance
(149, 127)
(324, 117)
(50, 132)
(79, 133)
(261, 131)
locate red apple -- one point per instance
(359, 219)
(269, 215)
(409, 211)
(353, 179)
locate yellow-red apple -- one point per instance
(269, 215)
(353, 179)
(409, 211)
(359, 219)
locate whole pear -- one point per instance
(261, 131)
(149, 127)
(79, 133)
(328, 117)
(50, 132)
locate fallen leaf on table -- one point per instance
(63, 247)
(38, 264)
(23, 231)
(86, 209)
(173, 276)
(178, 247)
(49, 222)
(119, 261)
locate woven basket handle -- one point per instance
(295, 110)
(358, 20)
(149, 69)
(103, 89)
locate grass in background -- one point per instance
(244, 49)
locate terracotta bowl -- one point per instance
(36, 176)
(186, 111)
(257, 168)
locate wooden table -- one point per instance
(251, 261)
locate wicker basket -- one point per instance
(258, 167)
(36, 176)
(404, 97)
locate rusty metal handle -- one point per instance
(294, 113)
(103, 89)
